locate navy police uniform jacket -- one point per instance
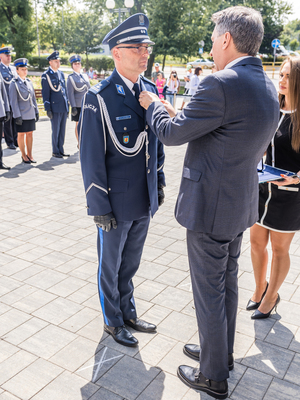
(117, 176)
(54, 91)
(4, 105)
(7, 75)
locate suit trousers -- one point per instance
(58, 123)
(213, 263)
(10, 131)
(119, 255)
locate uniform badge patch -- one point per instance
(125, 139)
(123, 117)
(141, 19)
(120, 89)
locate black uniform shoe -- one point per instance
(3, 166)
(64, 155)
(121, 335)
(12, 147)
(193, 351)
(57, 155)
(193, 378)
(140, 325)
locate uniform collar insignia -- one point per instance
(120, 89)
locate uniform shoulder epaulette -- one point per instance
(99, 87)
(147, 80)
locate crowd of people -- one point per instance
(233, 118)
(20, 112)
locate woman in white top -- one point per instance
(173, 87)
(195, 81)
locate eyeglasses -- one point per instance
(140, 50)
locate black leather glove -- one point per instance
(7, 117)
(106, 222)
(161, 195)
(19, 121)
(37, 117)
(50, 114)
(74, 111)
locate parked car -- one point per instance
(201, 62)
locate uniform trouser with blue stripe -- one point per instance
(58, 123)
(119, 255)
(213, 263)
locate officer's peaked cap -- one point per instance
(132, 30)
(21, 62)
(5, 50)
(74, 58)
(54, 56)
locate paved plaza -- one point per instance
(52, 342)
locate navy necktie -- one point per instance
(136, 89)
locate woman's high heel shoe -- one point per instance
(259, 315)
(252, 305)
(25, 161)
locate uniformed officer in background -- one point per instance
(24, 108)
(122, 168)
(8, 73)
(4, 116)
(56, 103)
(77, 86)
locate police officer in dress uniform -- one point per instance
(122, 168)
(77, 86)
(56, 103)
(24, 108)
(8, 74)
(4, 116)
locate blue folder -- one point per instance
(266, 173)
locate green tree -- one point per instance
(291, 31)
(294, 44)
(50, 29)
(16, 25)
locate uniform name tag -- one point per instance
(123, 117)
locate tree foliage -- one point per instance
(16, 26)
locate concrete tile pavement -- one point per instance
(52, 342)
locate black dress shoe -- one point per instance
(65, 155)
(140, 325)
(259, 315)
(193, 378)
(57, 155)
(121, 335)
(12, 147)
(3, 166)
(193, 351)
(252, 305)
(31, 160)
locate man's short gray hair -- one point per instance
(245, 26)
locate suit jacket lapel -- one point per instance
(129, 99)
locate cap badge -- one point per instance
(141, 20)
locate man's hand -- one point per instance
(7, 117)
(19, 121)
(146, 98)
(106, 222)
(161, 195)
(50, 114)
(74, 111)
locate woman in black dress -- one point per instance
(279, 202)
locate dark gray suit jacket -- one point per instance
(228, 125)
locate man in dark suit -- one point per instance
(122, 169)
(228, 124)
(56, 103)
